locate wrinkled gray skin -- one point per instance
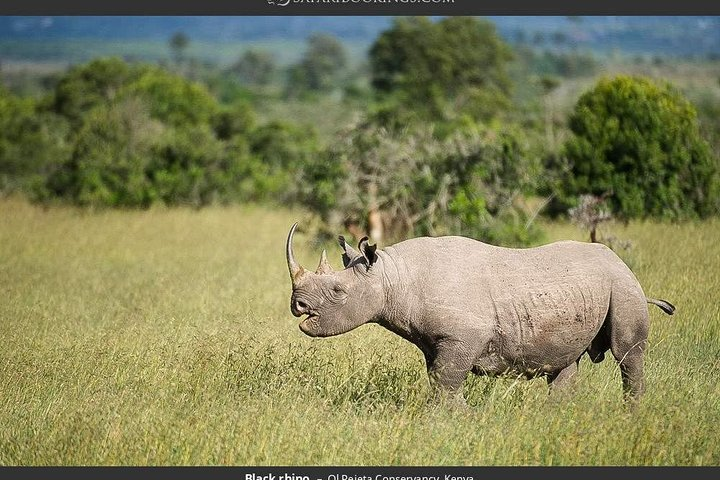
(473, 307)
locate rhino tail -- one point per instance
(664, 305)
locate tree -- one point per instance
(120, 135)
(458, 64)
(640, 142)
(179, 42)
(559, 37)
(110, 158)
(191, 166)
(284, 150)
(321, 65)
(589, 214)
(255, 67)
(173, 99)
(33, 142)
(89, 85)
(233, 120)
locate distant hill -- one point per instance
(665, 35)
(201, 28)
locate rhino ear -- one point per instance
(349, 253)
(368, 251)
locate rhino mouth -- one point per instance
(309, 324)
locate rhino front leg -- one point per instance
(448, 366)
(563, 380)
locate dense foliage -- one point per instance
(320, 67)
(444, 130)
(640, 142)
(466, 184)
(115, 134)
(255, 67)
(32, 142)
(440, 70)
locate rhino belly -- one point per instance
(546, 328)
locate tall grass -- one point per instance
(164, 337)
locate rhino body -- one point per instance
(473, 307)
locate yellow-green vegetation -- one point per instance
(164, 337)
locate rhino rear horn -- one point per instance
(324, 266)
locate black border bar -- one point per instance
(360, 7)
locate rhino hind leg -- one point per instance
(631, 369)
(628, 333)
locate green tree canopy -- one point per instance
(91, 84)
(110, 157)
(32, 141)
(321, 65)
(172, 98)
(641, 141)
(179, 42)
(458, 64)
(255, 67)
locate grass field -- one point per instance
(164, 337)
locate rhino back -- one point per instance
(525, 309)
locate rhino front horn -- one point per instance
(296, 271)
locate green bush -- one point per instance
(87, 86)
(110, 158)
(233, 120)
(33, 143)
(125, 158)
(173, 99)
(283, 150)
(498, 169)
(640, 141)
(191, 166)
